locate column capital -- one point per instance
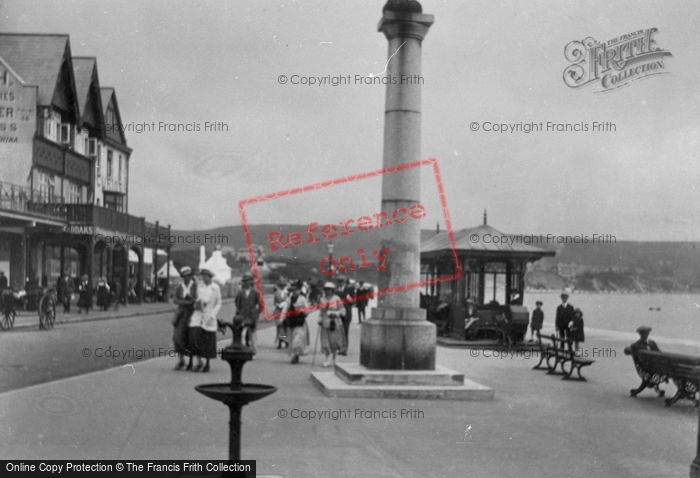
(405, 25)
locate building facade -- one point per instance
(64, 172)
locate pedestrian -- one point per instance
(116, 287)
(103, 294)
(362, 300)
(64, 291)
(576, 329)
(84, 295)
(204, 323)
(4, 283)
(331, 323)
(247, 310)
(565, 312)
(280, 300)
(295, 322)
(536, 322)
(345, 292)
(185, 297)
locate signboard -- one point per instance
(17, 108)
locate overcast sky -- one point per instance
(483, 61)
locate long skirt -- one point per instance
(282, 333)
(300, 340)
(181, 334)
(333, 341)
(202, 343)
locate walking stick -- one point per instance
(318, 333)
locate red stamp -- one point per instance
(316, 232)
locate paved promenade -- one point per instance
(537, 425)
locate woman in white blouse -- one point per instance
(203, 324)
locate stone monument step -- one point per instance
(356, 374)
(334, 386)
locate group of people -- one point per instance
(568, 322)
(195, 322)
(335, 307)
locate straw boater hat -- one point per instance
(329, 285)
(206, 272)
(186, 271)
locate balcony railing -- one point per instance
(105, 218)
(24, 200)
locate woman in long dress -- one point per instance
(184, 298)
(280, 307)
(296, 322)
(203, 324)
(331, 323)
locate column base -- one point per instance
(695, 468)
(355, 381)
(398, 339)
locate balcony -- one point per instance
(61, 160)
(104, 218)
(33, 204)
(110, 220)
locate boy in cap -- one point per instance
(536, 322)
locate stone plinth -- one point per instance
(356, 381)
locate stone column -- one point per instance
(398, 337)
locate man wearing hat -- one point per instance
(644, 343)
(346, 292)
(4, 284)
(185, 296)
(565, 314)
(247, 310)
(536, 322)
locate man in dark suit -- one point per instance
(565, 312)
(345, 291)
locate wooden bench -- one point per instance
(555, 351)
(655, 368)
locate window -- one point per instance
(114, 201)
(109, 163)
(64, 138)
(91, 147)
(110, 116)
(119, 171)
(73, 193)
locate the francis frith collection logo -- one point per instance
(614, 63)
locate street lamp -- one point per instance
(330, 257)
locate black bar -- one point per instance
(126, 468)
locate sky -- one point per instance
(483, 61)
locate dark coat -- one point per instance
(576, 329)
(564, 316)
(537, 319)
(85, 295)
(247, 308)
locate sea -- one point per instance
(674, 318)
